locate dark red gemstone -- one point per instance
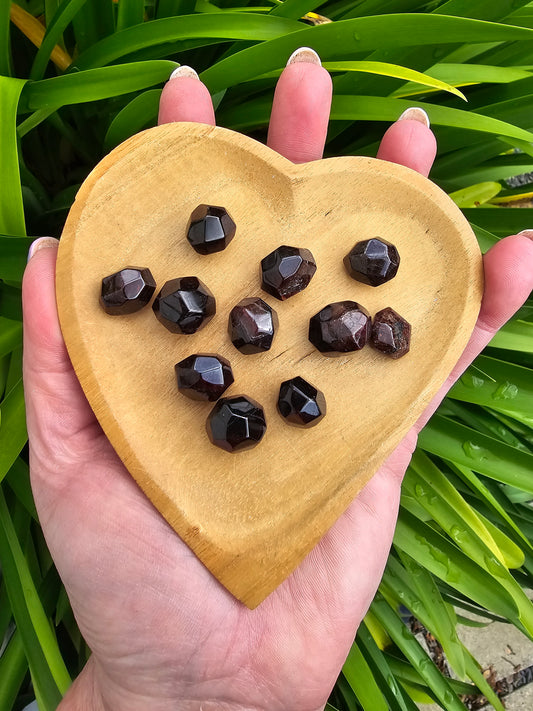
(340, 327)
(204, 376)
(252, 324)
(127, 291)
(286, 271)
(373, 261)
(391, 334)
(236, 423)
(184, 305)
(210, 229)
(300, 403)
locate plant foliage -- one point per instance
(77, 77)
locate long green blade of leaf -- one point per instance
(64, 15)
(11, 208)
(447, 562)
(516, 335)
(95, 84)
(225, 26)
(416, 655)
(10, 336)
(485, 455)
(361, 679)
(349, 37)
(40, 644)
(12, 427)
(130, 12)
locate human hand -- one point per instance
(163, 632)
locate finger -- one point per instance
(508, 269)
(55, 403)
(185, 98)
(410, 142)
(300, 110)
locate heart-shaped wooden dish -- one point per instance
(252, 516)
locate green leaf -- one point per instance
(361, 679)
(504, 387)
(12, 427)
(54, 31)
(95, 84)
(5, 57)
(516, 335)
(391, 689)
(49, 674)
(485, 455)
(13, 668)
(134, 117)
(14, 251)
(295, 8)
(475, 195)
(224, 26)
(500, 221)
(393, 70)
(11, 208)
(130, 12)
(349, 37)
(447, 562)
(416, 655)
(10, 336)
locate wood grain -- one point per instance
(252, 516)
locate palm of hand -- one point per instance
(162, 630)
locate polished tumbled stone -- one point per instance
(391, 334)
(372, 261)
(204, 376)
(236, 423)
(210, 229)
(300, 403)
(184, 305)
(341, 327)
(252, 324)
(286, 271)
(127, 291)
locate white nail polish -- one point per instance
(184, 71)
(415, 113)
(41, 243)
(304, 54)
(527, 233)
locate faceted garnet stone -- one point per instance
(127, 291)
(236, 423)
(373, 261)
(286, 271)
(204, 376)
(340, 327)
(184, 305)
(391, 334)
(252, 324)
(300, 403)
(210, 229)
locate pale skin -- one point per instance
(164, 633)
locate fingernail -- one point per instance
(184, 71)
(415, 114)
(304, 54)
(41, 243)
(527, 233)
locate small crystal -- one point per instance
(391, 334)
(373, 261)
(286, 271)
(340, 327)
(252, 324)
(204, 376)
(127, 291)
(300, 403)
(210, 229)
(184, 305)
(236, 423)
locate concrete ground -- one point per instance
(506, 650)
